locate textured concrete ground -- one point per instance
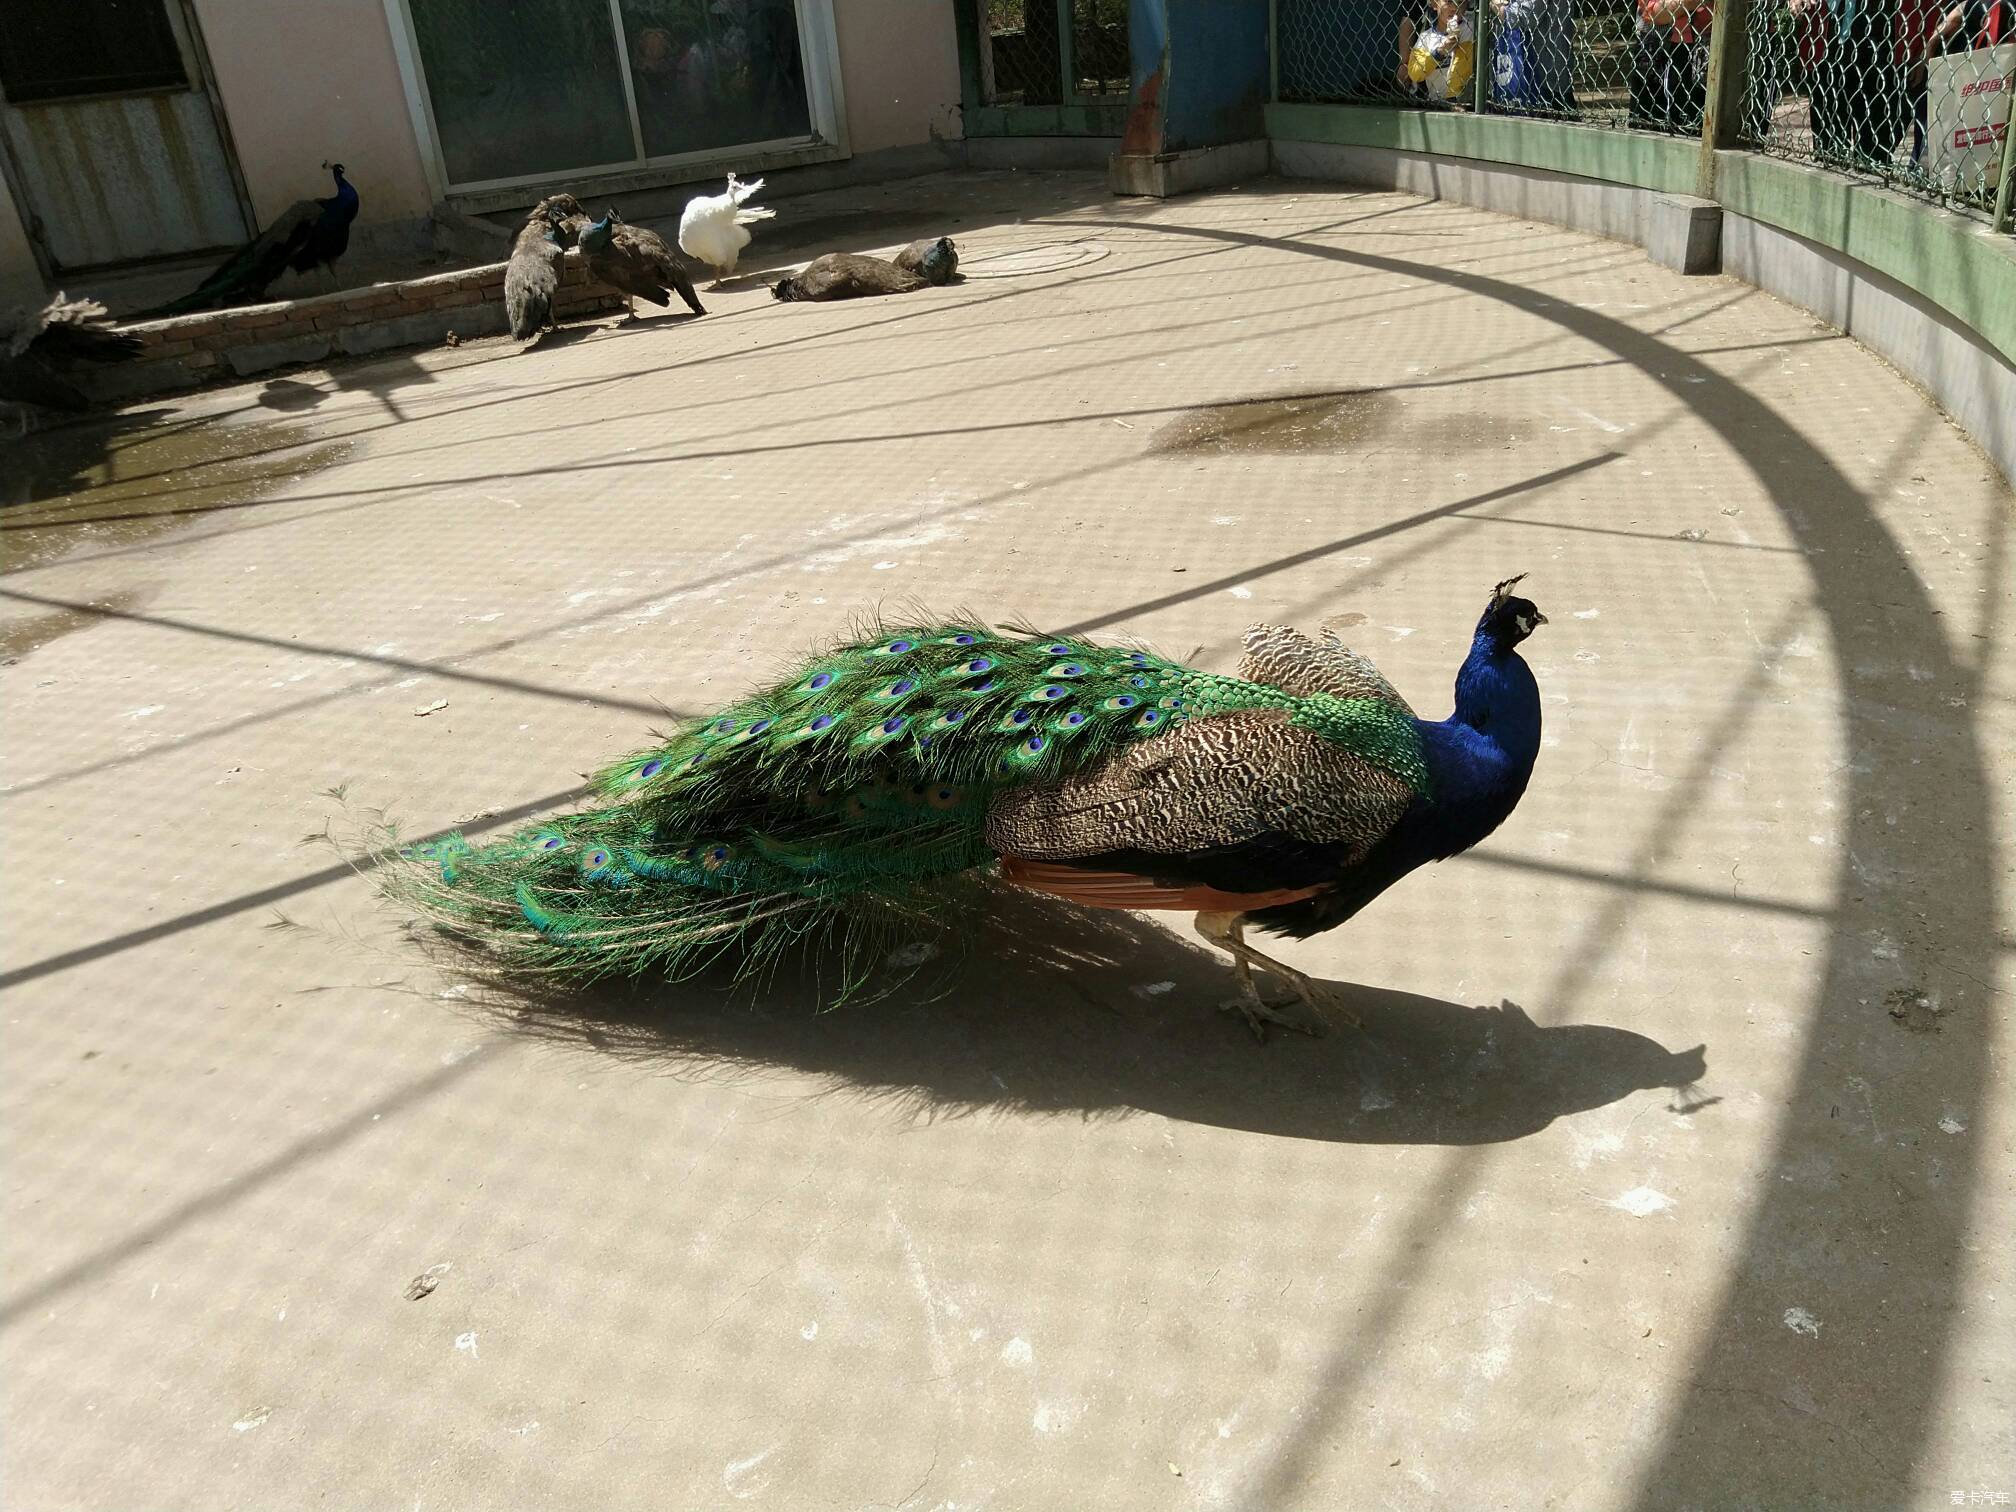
(1674, 1170)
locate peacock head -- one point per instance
(595, 235)
(940, 261)
(1508, 619)
(336, 169)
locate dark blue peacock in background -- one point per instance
(1284, 798)
(309, 234)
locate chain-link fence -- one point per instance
(1913, 92)
(1597, 62)
(1053, 52)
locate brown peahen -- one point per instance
(533, 274)
(38, 341)
(846, 275)
(1284, 798)
(636, 261)
(937, 259)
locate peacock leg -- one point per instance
(1227, 932)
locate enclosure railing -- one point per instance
(1044, 67)
(1913, 94)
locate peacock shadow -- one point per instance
(1045, 1008)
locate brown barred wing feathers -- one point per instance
(1248, 790)
(1287, 659)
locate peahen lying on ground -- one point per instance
(308, 234)
(38, 341)
(849, 275)
(1285, 798)
(845, 275)
(936, 258)
(533, 274)
(636, 261)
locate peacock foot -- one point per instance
(1289, 1013)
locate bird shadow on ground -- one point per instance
(1050, 1009)
(290, 396)
(760, 279)
(559, 336)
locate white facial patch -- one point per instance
(1524, 622)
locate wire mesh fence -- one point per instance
(1914, 93)
(1597, 62)
(1053, 52)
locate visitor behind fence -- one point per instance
(1533, 56)
(1444, 55)
(1868, 78)
(1669, 65)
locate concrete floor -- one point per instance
(1674, 1171)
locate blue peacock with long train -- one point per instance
(1284, 798)
(308, 234)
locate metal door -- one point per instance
(112, 140)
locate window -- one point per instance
(525, 89)
(60, 51)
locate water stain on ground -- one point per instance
(20, 636)
(1334, 422)
(124, 479)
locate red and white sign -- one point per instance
(1967, 115)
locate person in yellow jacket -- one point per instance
(1442, 57)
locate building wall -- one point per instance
(305, 82)
(899, 67)
(20, 279)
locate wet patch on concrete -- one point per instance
(22, 635)
(118, 481)
(1336, 422)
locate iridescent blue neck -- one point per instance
(1497, 697)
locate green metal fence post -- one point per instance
(2007, 186)
(1067, 54)
(1728, 80)
(1480, 58)
(966, 25)
(1274, 52)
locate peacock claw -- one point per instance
(1289, 1013)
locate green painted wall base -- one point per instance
(1955, 262)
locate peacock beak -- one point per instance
(1539, 618)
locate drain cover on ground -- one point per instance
(1048, 258)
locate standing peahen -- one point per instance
(36, 342)
(308, 234)
(1285, 798)
(638, 262)
(533, 274)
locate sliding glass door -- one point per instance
(520, 90)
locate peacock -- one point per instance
(36, 342)
(714, 228)
(1284, 798)
(533, 274)
(308, 234)
(936, 259)
(846, 275)
(638, 262)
